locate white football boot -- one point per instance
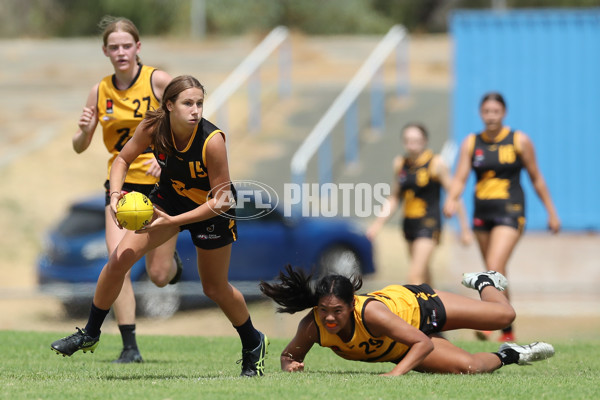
(531, 352)
(470, 278)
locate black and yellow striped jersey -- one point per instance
(120, 112)
(363, 346)
(419, 188)
(497, 164)
(184, 173)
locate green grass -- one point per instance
(183, 367)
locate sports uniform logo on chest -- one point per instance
(479, 157)
(161, 159)
(109, 106)
(402, 177)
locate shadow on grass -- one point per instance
(342, 373)
(167, 377)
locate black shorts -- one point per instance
(433, 312)
(127, 187)
(210, 234)
(414, 228)
(487, 224)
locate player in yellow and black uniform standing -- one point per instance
(497, 155)
(499, 196)
(195, 193)
(397, 324)
(419, 177)
(420, 192)
(119, 103)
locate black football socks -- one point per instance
(95, 321)
(508, 356)
(249, 335)
(128, 336)
(482, 282)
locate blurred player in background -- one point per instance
(119, 103)
(497, 156)
(193, 194)
(419, 176)
(397, 324)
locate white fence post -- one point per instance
(378, 102)
(402, 70)
(351, 126)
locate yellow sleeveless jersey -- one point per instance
(364, 346)
(120, 112)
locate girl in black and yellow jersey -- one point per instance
(118, 103)
(497, 156)
(194, 193)
(397, 324)
(419, 177)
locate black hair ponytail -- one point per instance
(295, 293)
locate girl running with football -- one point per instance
(194, 193)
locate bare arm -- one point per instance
(382, 322)
(87, 123)
(390, 205)
(160, 80)
(292, 357)
(138, 143)
(538, 181)
(457, 185)
(443, 175)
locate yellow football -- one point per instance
(134, 211)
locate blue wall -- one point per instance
(546, 63)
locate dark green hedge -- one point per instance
(66, 18)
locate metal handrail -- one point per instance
(344, 101)
(245, 70)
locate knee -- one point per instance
(158, 276)
(507, 316)
(468, 365)
(216, 292)
(160, 268)
(118, 266)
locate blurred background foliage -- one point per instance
(71, 18)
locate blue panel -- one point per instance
(545, 63)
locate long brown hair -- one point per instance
(158, 121)
(110, 24)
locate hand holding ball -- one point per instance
(134, 211)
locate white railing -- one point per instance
(345, 103)
(247, 69)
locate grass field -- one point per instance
(186, 367)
